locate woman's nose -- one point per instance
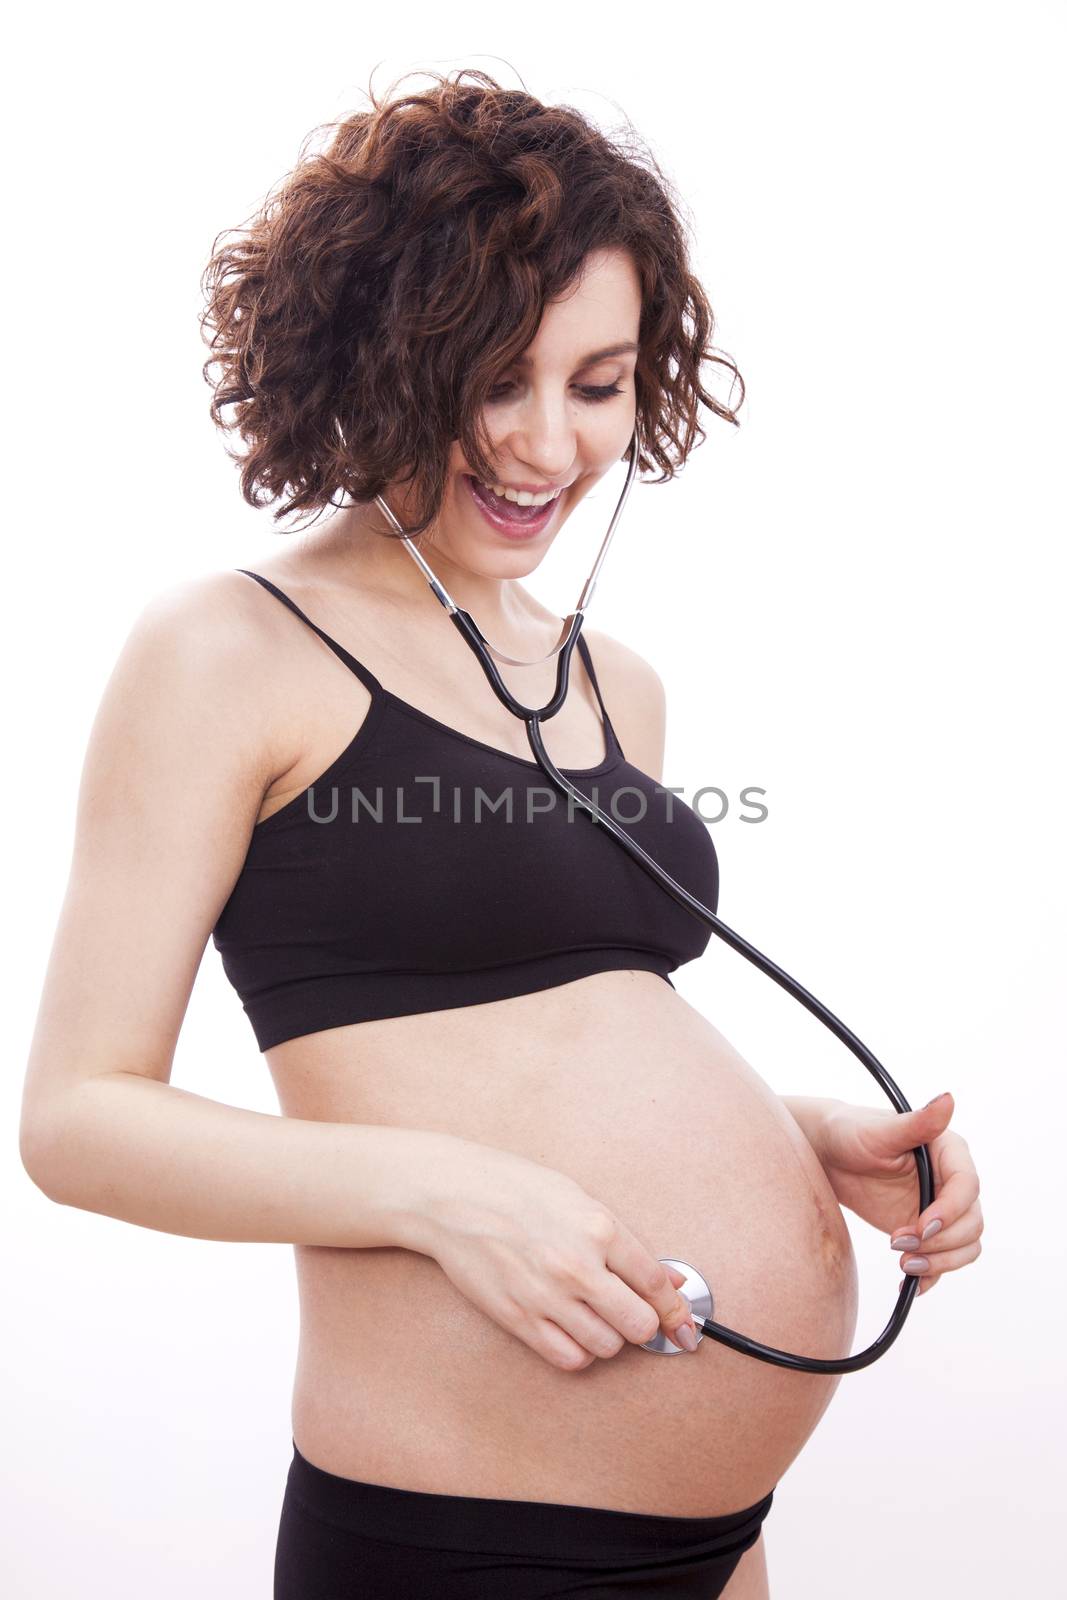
(544, 439)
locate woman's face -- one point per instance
(559, 418)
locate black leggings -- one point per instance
(341, 1539)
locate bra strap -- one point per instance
(583, 648)
(365, 676)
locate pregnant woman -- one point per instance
(497, 1112)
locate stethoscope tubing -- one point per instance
(717, 1330)
(532, 717)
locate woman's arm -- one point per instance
(130, 1147)
(186, 740)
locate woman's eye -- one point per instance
(588, 391)
(601, 391)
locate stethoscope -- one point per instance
(695, 1287)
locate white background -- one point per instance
(855, 601)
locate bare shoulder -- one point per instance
(635, 697)
(195, 701)
(212, 617)
(208, 643)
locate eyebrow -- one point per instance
(626, 348)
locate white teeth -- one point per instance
(521, 497)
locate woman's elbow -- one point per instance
(37, 1152)
(46, 1156)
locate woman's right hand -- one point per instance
(545, 1260)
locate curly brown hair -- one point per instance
(359, 319)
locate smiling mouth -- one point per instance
(518, 496)
(510, 515)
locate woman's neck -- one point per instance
(359, 554)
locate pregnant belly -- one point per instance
(621, 1084)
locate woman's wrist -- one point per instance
(811, 1114)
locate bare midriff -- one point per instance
(619, 1082)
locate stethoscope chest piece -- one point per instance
(697, 1293)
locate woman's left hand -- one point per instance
(866, 1155)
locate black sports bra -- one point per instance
(424, 870)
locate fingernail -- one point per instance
(686, 1336)
(936, 1098)
(930, 1229)
(915, 1264)
(907, 1241)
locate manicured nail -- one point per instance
(685, 1336)
(915, 1264)
(907, 1241)
(930, 1229)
